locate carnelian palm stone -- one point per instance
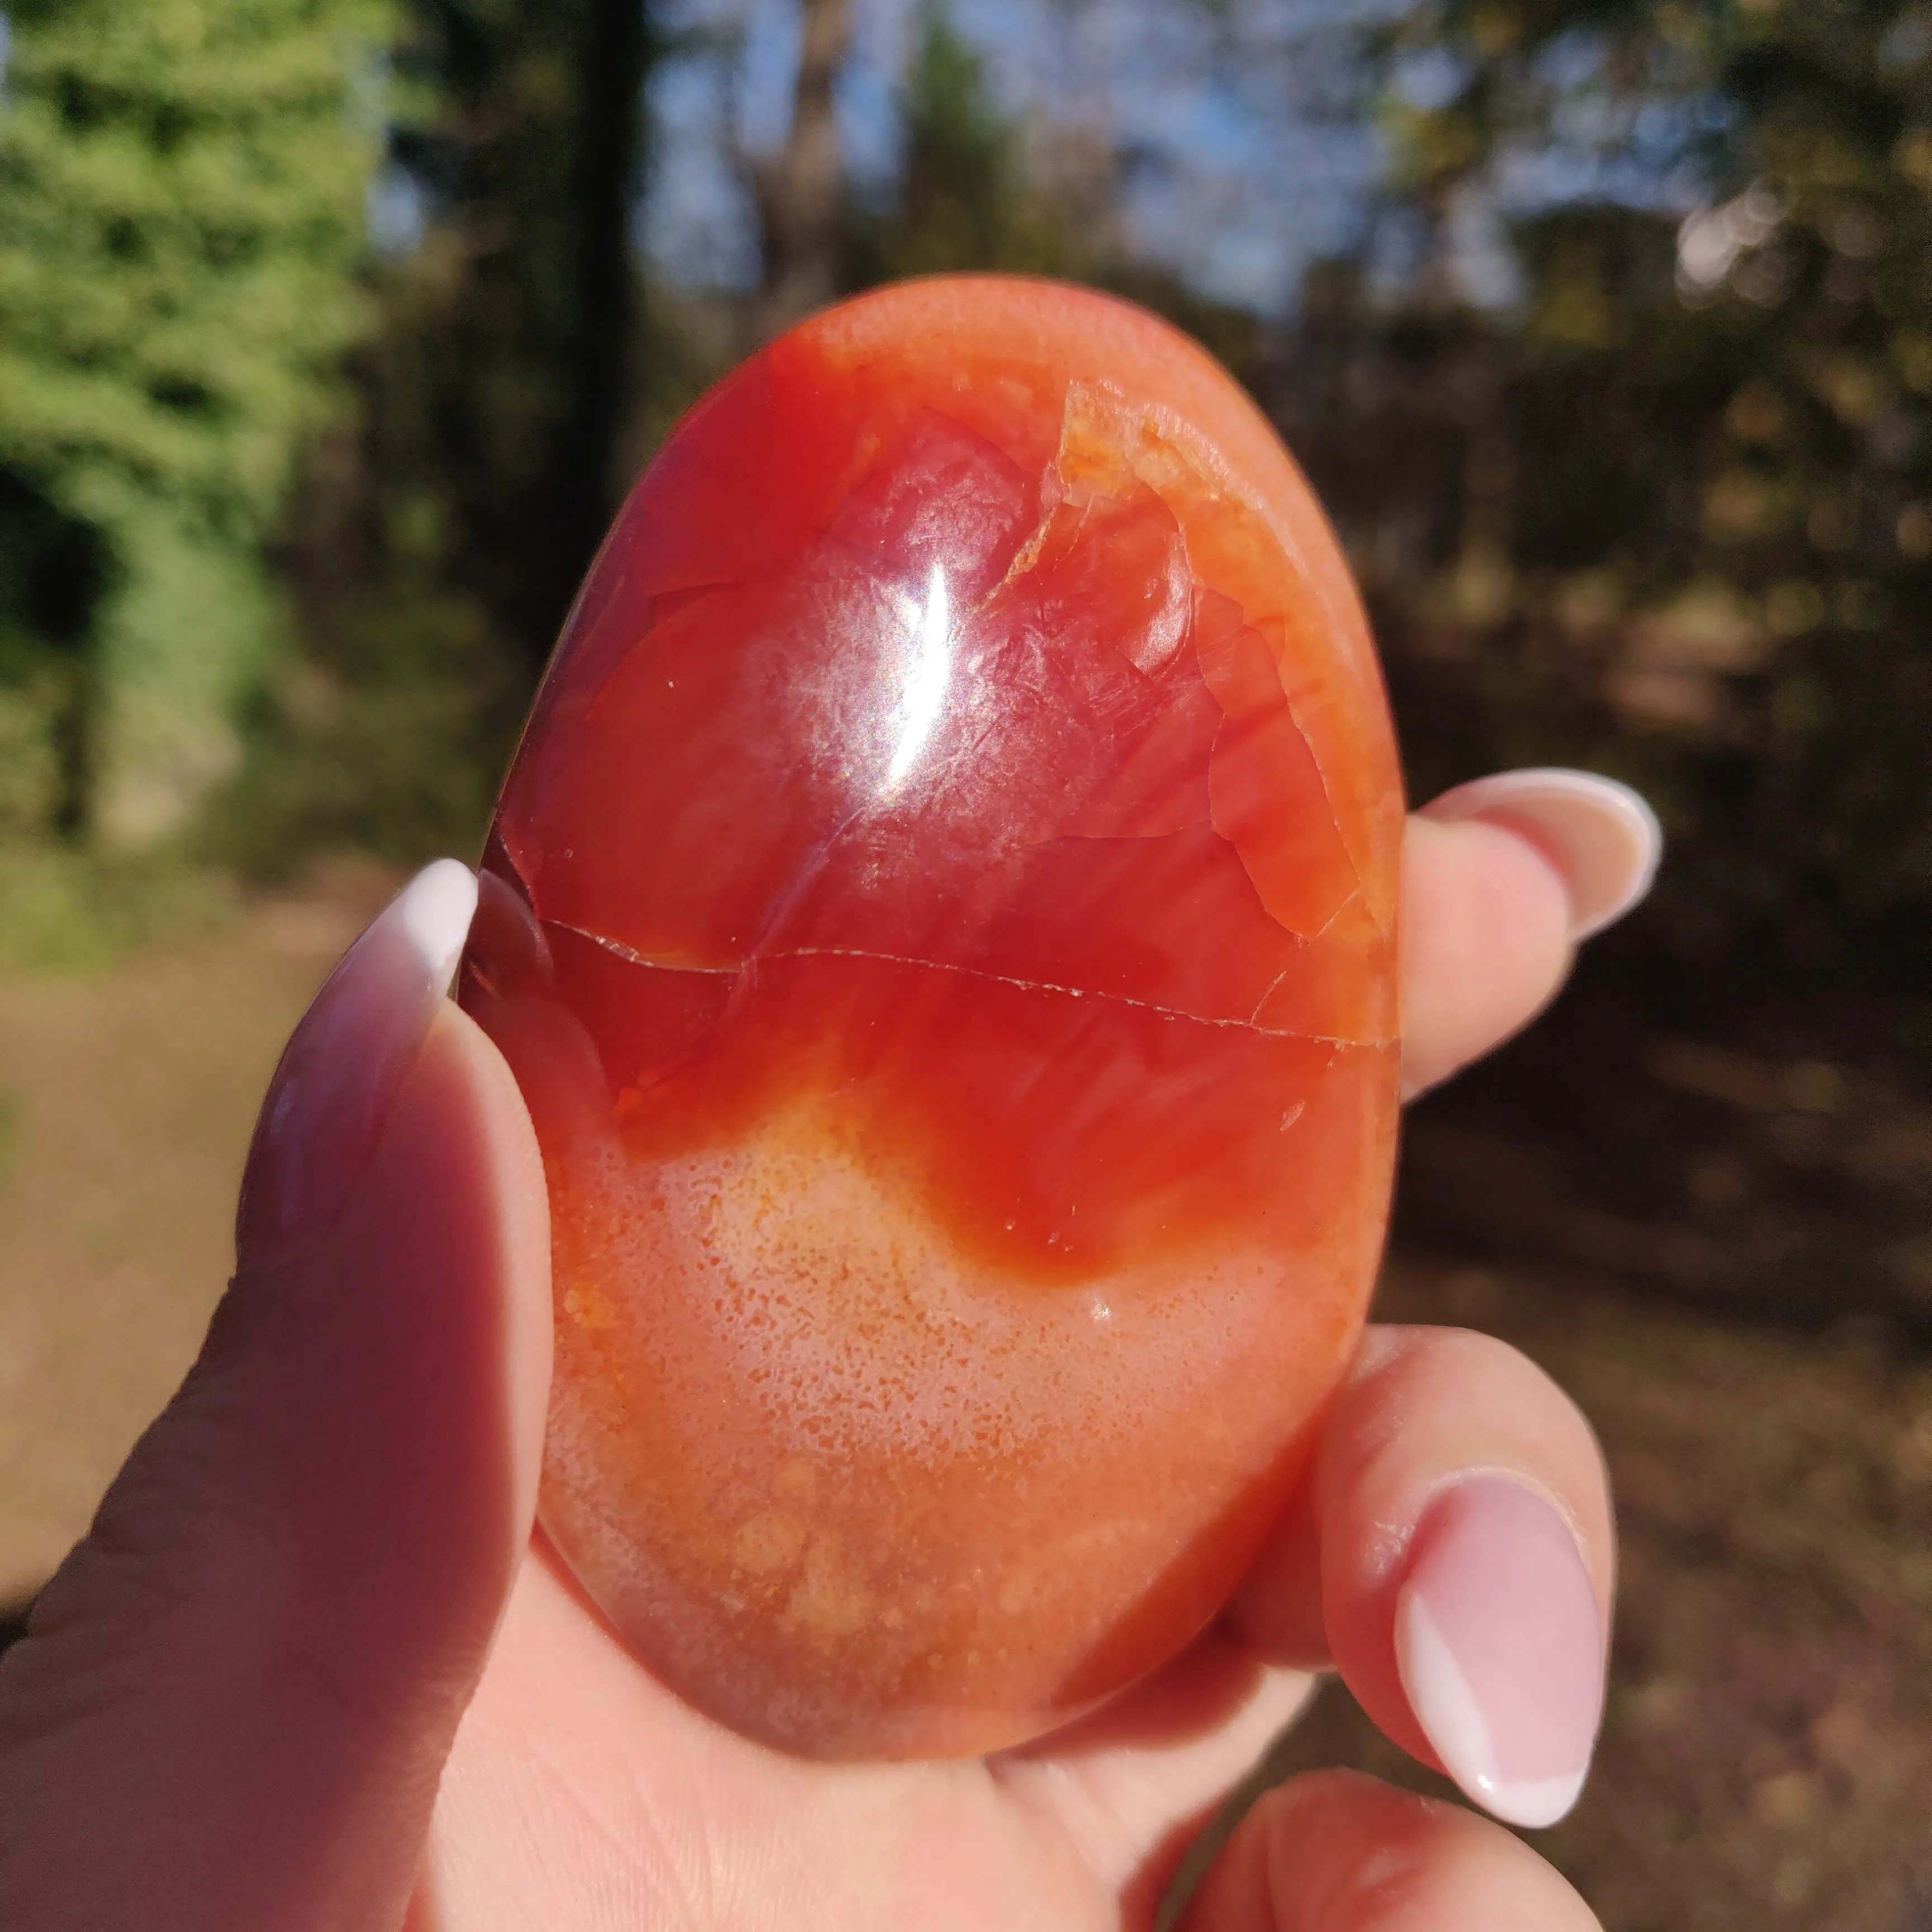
(941, 918)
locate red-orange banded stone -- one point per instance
(941, 916)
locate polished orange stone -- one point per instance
(942, 917)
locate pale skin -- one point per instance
(314, 1668)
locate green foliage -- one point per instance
(387, 735)
(66, 908)
(182, 188)
(385, 727)
(970, 195)
(50, 576)
(962, 198)
(436, 542)
(1668, 509)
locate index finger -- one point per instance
(1500, 879)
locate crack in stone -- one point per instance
(636, 959)
(1267, 993)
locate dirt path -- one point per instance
(126, 1102)
(1768, 1754)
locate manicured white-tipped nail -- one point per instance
(1499, 1644)
(434, 910)
(330, 1098)
(1603, 836)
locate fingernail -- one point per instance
(1603, 836)
(1500, 1646)
(339, 1073)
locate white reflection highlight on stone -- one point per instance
(932, 668)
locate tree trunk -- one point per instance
(798, 194)
(616, 50)
(538, 159)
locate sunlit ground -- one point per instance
(1768, 1751)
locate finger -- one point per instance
(1501, 878)
(1335, 1852)
(232, 1702)
(1459, 1515)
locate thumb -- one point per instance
(232, 1704)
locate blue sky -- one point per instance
(1242, 169)
(1250, 147)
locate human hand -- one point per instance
(309, 1670)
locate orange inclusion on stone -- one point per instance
(941, 916)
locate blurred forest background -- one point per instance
(332, 331)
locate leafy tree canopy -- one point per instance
(1627, 408)
(181, 210)
(973, 191)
